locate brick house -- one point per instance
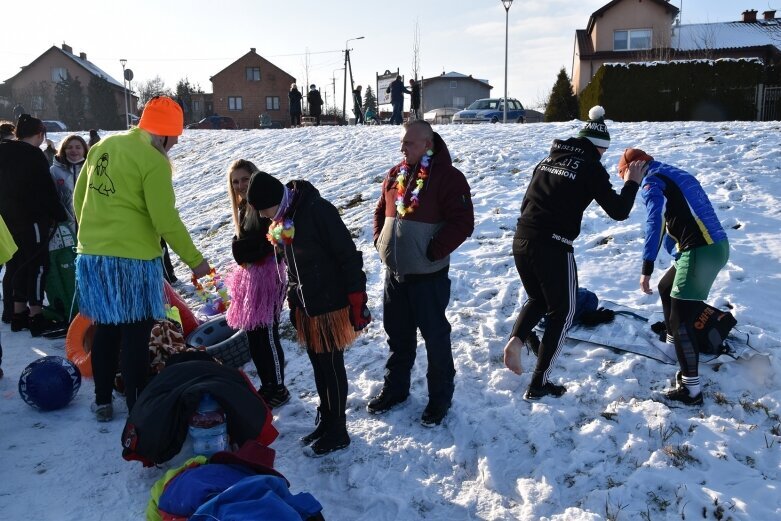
(249, 87)
(33, 86)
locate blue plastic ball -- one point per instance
(49, 383)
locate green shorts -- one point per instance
(696, 270)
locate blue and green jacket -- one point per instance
(680, 215)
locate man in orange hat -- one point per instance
(124, 203)
(681, 216)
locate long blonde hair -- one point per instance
(250, 217)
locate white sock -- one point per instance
(692, 384)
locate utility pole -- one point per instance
(346, 63)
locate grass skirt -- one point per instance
(116, 290)
(257, 293)
(325, 333)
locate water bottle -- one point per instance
(207, 427)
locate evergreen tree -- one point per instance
(69, 97)
(184, 96)
(369, 100)
(103, 105)
(563, 103)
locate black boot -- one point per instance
(20, 321)
(317, 433)
(334, 438)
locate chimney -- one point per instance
(67, 48)
(252, 49)
(769, 15)
(83, 56)
(750, 16)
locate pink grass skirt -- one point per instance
(257, 293)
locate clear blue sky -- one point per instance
(199, 38)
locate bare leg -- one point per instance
(512, 355)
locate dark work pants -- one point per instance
(679, 317)
(127, 344)
(331, 382)
(28, 267)
(397, 118)
(295, 119)
(550, 278)
(419, 303)
(267, 355)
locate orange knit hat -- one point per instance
(632, 154)
(162, 116)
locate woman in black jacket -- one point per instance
(326, 292)
(294, 96)
(257, 288)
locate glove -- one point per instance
(360, 316)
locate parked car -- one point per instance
(440, 115)
(491, 110)
(52, 125)
(215, 122)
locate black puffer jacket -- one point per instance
(323, 263)
(28, 194)
(251, 245)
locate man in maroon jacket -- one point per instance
(423, 214)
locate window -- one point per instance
(453, 84)
(253, 73)
(59, 74)
(234, 103)
(196, 106)
(459, 101)
(632, 40)
(272, 102)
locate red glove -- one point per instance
(360, 316)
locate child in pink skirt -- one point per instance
(257, 287)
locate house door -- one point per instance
(771, 103)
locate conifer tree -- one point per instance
(103, 105)
(563, 103)
(369, 100)
(69, 97)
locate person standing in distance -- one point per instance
(561, 188)
(423, 214)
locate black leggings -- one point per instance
(331, 382)
(679, 316)
(124, 344)
(267, 355)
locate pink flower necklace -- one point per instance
(402, 186)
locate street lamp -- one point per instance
(124, 85)
(346, 64)
(506, 4)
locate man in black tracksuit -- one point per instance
(561, 188)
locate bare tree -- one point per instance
(150, 88)
(416, 51)
(35, 97)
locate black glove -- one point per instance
(598, 316)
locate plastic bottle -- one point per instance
(207, 427)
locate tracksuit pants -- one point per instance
(267, 355)
(550, 277)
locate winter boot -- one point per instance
(317, 433)
(20, 321)
(334, 438)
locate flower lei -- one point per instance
(281, 232)
(402, 187)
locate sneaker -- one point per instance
(274, 396)
(335, 438)
(385, 401)
(434, 414)
(317, 433)
(104, 413)
(549, 389)
(681, 394)
(20, 321)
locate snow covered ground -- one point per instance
(606, 450)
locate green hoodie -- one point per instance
(124, 202)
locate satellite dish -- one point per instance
(129, 74)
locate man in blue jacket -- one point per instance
(397, 90)
(681, 216)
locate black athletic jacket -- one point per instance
(562, 187)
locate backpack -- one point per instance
(711, 327)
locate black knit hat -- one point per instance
(28, 126)
(264, 191)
